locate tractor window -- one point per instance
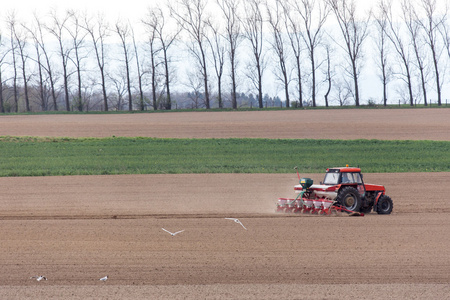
(357, 178)
(347, 178)
(331, 178)
(351, 178)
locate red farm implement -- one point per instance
(342, 190)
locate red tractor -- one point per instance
(342, 189)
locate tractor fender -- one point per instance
(376, 201)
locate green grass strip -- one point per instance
(31, 156)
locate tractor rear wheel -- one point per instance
(384, 205)
(350, 199)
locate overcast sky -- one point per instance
(127, 9)
(113, 8)
(132, 10)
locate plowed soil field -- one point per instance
(77, 229)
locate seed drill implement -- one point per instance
(342, 190)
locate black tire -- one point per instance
(385, 205)
(349, 198)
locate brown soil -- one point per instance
(77, 229)
(412, 124)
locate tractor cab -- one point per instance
(345, 176)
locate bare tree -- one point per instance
(445, 34)
(329, 74)
(140, 72)
(11, 20)
(78, 35)
(278, 44)
(400, 45)
(190, 15)
(233, 35)
(21, 43)
(39, 38)
(3, 53)
(343, 92)
(354, 32)
(166, 40)
(123, 31)
(57, 29)
(42, 99)
(98, 33)
(434, 20)
(313, 16)
(253, 31)
(294, 33)
(154, 50)
(381, 43)
(218, 55)
(195, 96)
(120, 84)
(413, 29)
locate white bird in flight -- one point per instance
(172, 233)
(39, 277)
(104, 278)
(237, 221)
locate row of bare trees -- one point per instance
(420, 41)
(308, 50)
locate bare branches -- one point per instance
(233, 35)
(434, 20)
(354, 31)
(253, 30)
(413, 29)
(78, 36)
(98, 32)
(190, 15)
(166, 38)
(57, 29)
(381, 43)
(218, 50)
(308, 26)
(123, 31)
(276, 22)
(401, 46)
(74, 60)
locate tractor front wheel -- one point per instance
(384, 205)
(350, 199)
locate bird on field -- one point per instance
(39, 277)
(104, 278)
(172, 233)
(237, 221)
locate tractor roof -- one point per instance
(343, 170)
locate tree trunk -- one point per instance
(105, 98)
(313, 71)
(260, 88)
(166, 69)
(408, 76)
(66, 88)
(436, 74)
(2, 107)
(299, 75)
(355, 80)
(219, 90)
(205, 79)
(130, 99)
(233, 81)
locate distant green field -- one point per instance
(31, 156)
